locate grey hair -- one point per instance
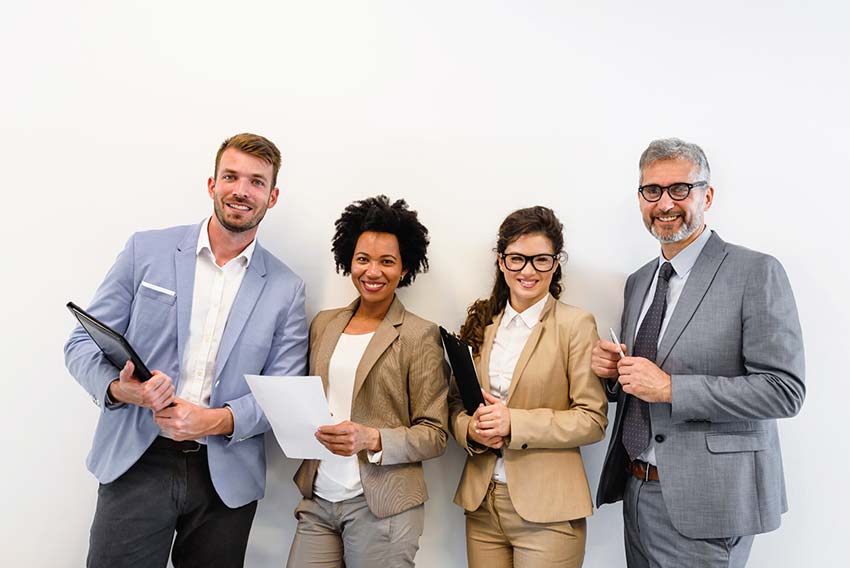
(675, 148)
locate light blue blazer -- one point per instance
(266, 333)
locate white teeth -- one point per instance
(667, 218)
(239, 207)
(373, 285)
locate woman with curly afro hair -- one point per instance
(524, 488)
(386, 382)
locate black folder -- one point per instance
(114, 346)
(463, 368)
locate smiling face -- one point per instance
(528, 286)
(241, 191)
(674, 223)
(376, 268)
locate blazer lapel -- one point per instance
(185, 260)
(643, 280)
(383, 338)
(483, 367)
(328, 339)
(243, 305)
(702, 274)
(530, 346)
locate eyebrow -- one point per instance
(254, 176)
(360, 252)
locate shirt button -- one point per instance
(525, 446)
(660, 438)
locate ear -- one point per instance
(275, 193)
(500, 262)
(211, 187)
(709, 197)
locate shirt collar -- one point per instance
(687, 257)
(530, 316)
(204, 243)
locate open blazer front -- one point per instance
(557, 404)
(400, 388)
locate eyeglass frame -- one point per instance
(555, 258)
(663, 188)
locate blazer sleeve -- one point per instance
(459, 421)
(112, 305)
(287, 357)
(773, 385)
(585, 420)
(427, 384)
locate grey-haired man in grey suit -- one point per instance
(712, 356)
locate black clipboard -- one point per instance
(114, 346)
(463, 368)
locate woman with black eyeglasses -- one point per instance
(524, 488)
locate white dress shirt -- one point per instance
(511, 337)
(338, 479)
(682, 265)
(213, 295)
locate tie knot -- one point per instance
(666, 272)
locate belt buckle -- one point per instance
(646, 472)
(196, 449)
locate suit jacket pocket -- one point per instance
(154, 294)
(728, 442)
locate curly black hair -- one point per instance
(378, 215)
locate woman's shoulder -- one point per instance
(572, 316)
(416, 325)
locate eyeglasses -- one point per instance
(676, 191)
(541, 262)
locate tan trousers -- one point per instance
(496, 537)
(330, 533)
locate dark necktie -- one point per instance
(636, 424)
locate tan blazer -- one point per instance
(400, 388)
(557, 404)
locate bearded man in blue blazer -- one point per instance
(203, 305)
(713, 357)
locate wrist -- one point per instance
(223, 424)
(375, 440)
(114, 391)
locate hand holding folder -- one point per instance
(463, 369)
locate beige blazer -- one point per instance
(400, 388)
(557, 405)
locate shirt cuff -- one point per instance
(375, 457)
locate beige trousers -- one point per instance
(496, 537)
(330, 533)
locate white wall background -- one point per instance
(111, 113)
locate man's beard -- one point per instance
(683, 233)
(248, 224)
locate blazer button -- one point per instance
(525, 446)
(659, 438)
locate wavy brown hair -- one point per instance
(531, 220)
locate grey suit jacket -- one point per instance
(735, 352)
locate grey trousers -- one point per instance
(653, 542)
(167, 491)
(330, 533)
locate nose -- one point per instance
(373, 270)
(242, 188)
(666, 202)
(528, 269)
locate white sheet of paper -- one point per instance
(295, 407)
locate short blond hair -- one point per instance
(253, 145)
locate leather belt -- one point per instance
(643, 471)
(187, 447)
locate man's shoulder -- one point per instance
(162, 237)
(277, 269)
